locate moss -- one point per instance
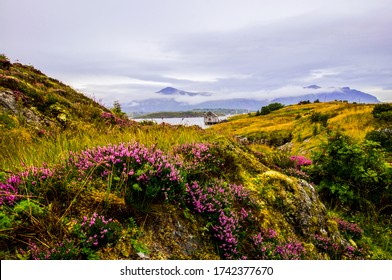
(332, 226)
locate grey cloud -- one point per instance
(236, 48)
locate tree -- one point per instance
(117, 110)
(270, 108)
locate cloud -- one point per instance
(112, 81)
(127, 50)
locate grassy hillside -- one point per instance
(301, 126)
(103, 187)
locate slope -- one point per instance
(28, 98)
(122, 190)
(302, 127)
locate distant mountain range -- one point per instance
(166, 101)
(342, 93)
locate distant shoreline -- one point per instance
(187, 114)
(169, 115)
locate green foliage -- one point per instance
(4, 62)
(29, 207)
(315, 130)
(35, 91)
(6, 221)
(274, 138)
(7, 121)
(383, 137)
(383, 112)
(117, 110)
(66, 250)
(318, 117)
(44, 222)
(352, 174)
(265, 110)
(95, 231)
(51, 99)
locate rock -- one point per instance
(143, 256)
(9, 102)
(311, 212)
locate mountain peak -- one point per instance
(174, 91)
(169, 90)
(313, 87)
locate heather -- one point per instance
(136, 177)
(79, 180)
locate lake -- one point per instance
(181, 121)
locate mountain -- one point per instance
(174, 91)
(330, 94)
(313, 87)
(171, 105)
(166, 101)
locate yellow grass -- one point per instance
(356, 120)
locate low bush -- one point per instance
(352, 174)
(383, 137)
(383, 112)
(265, 110)
(319, 118)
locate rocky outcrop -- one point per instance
(294, 201)
(311, 213)
(10, 103)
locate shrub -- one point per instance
(383, 112)
(217, 203)
(114, 119)
(350, 230)
(4, 62)
(383, 137)
(337, 251)
(65, 250)
(265, 110)
(300, 161)
(96, 231)
(203, 161)
(268, 247)
(85, 239)
(9, 190)
(142, 174)
(317, 117)
(352, 173)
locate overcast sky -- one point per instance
(129, 49)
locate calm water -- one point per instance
(177, 121)
(183, 121)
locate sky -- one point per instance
(127, 50)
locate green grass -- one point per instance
(52, 149)
(52, 210)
